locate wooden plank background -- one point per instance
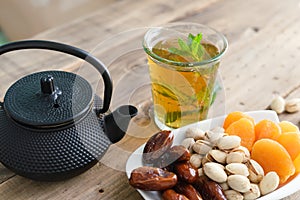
(262, 61)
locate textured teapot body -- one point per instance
(52, 125)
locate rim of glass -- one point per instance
(186, 64)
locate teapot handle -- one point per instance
(64, 48)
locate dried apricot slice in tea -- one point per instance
(291, 142)
(267, 129)
(287, 126)
(244, 128)
(272, 156)
(235, 116)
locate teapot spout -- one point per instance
(116, 123)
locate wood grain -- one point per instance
(262, 60)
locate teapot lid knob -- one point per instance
(47, 85)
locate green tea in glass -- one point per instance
(183, 61)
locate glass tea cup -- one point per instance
(182, 74)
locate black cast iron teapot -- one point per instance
(52, 125)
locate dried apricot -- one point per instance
(267, 129)
(291, 142)
(235, 116)
(244, 128)
(272, 156)
(287, 126)
(297, 163)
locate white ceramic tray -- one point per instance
(135, 160)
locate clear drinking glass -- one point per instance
(182, 89)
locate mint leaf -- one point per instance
(190, 39)
(191, 48)
(174, 50)
(217, 87)
(184, 46)
(197, 38)
(196, 51)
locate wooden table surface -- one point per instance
(262, 61)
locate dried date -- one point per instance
(188, 190)
(152, 178)
(186, 172)
(176, 153)
(172, 195)
(156, 146)
(209, 189)
(179, 153)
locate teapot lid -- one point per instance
(48, 99)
